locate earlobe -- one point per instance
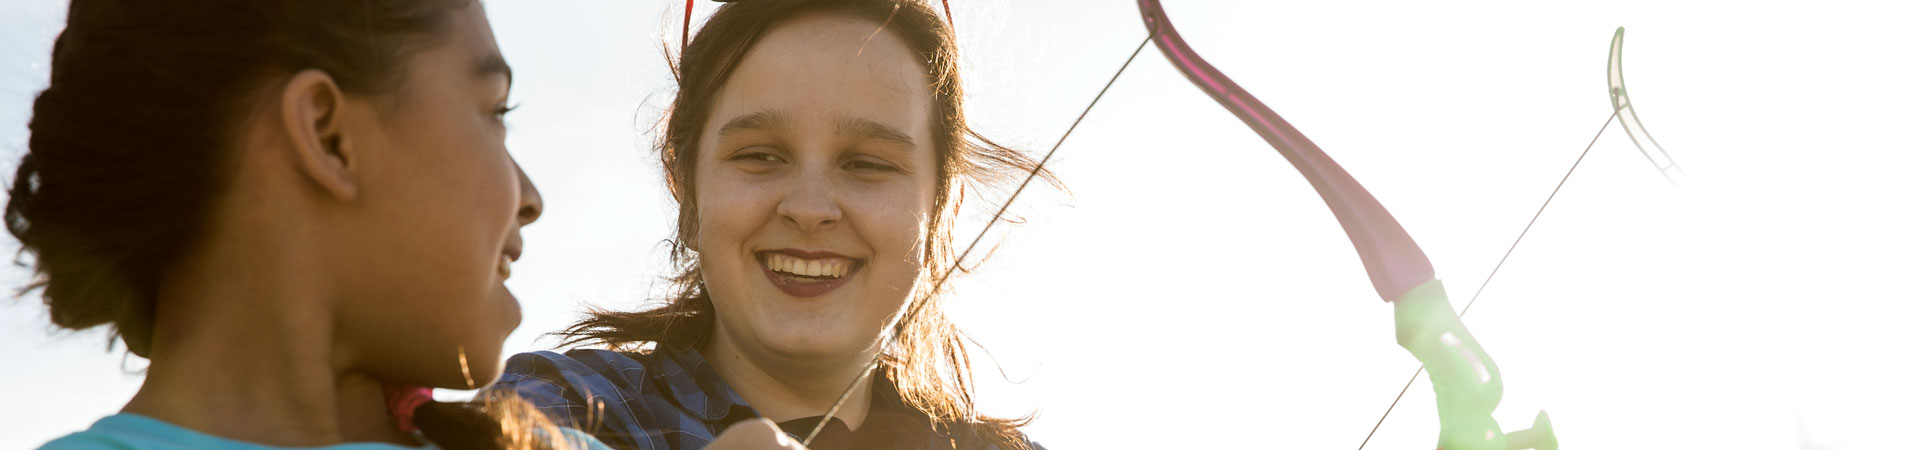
(311, 112)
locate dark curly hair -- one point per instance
(133, 141)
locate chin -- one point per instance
(485, 343)
(817, 343)
(509, 313)
(486, 372)
(483, 364)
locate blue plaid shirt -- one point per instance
(671, 399)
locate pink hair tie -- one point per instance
(402, 400)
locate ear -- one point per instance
(311, 110)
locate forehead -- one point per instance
(466, 39)
(459, 60)
(822, 67)
(470, 31)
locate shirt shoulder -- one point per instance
(662, 399)
(123, 431)
(136, 432)
(572, 388)
(89, 441)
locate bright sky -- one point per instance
(1191, 290)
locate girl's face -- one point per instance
(441, 206)
(814, 186)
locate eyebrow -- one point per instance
(493, 64)
(848, 126)
(759, 121)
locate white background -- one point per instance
(1191, 291)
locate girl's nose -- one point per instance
(810, 204)
(530, 203)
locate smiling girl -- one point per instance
(816, 148)
(298, 211)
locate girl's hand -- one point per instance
(756, 434)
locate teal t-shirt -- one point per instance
(137, 432)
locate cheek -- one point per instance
(473, 209)
(446, 206)
(730, 210)
(895, 222)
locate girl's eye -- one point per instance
(870, 166)
(756, 156)
(500, 113)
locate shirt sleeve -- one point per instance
(538, 380)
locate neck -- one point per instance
(243, 348)
(783, 389)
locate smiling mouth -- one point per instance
(807, 276)
(504, 267)
(820, 269)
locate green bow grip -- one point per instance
(1466, 383)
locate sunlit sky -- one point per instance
(1189, 289)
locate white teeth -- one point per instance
(505, 268)
(827, 267)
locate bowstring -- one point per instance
(1496, 268)
(958, 261)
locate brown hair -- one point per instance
(927, 359)
(132, 143)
